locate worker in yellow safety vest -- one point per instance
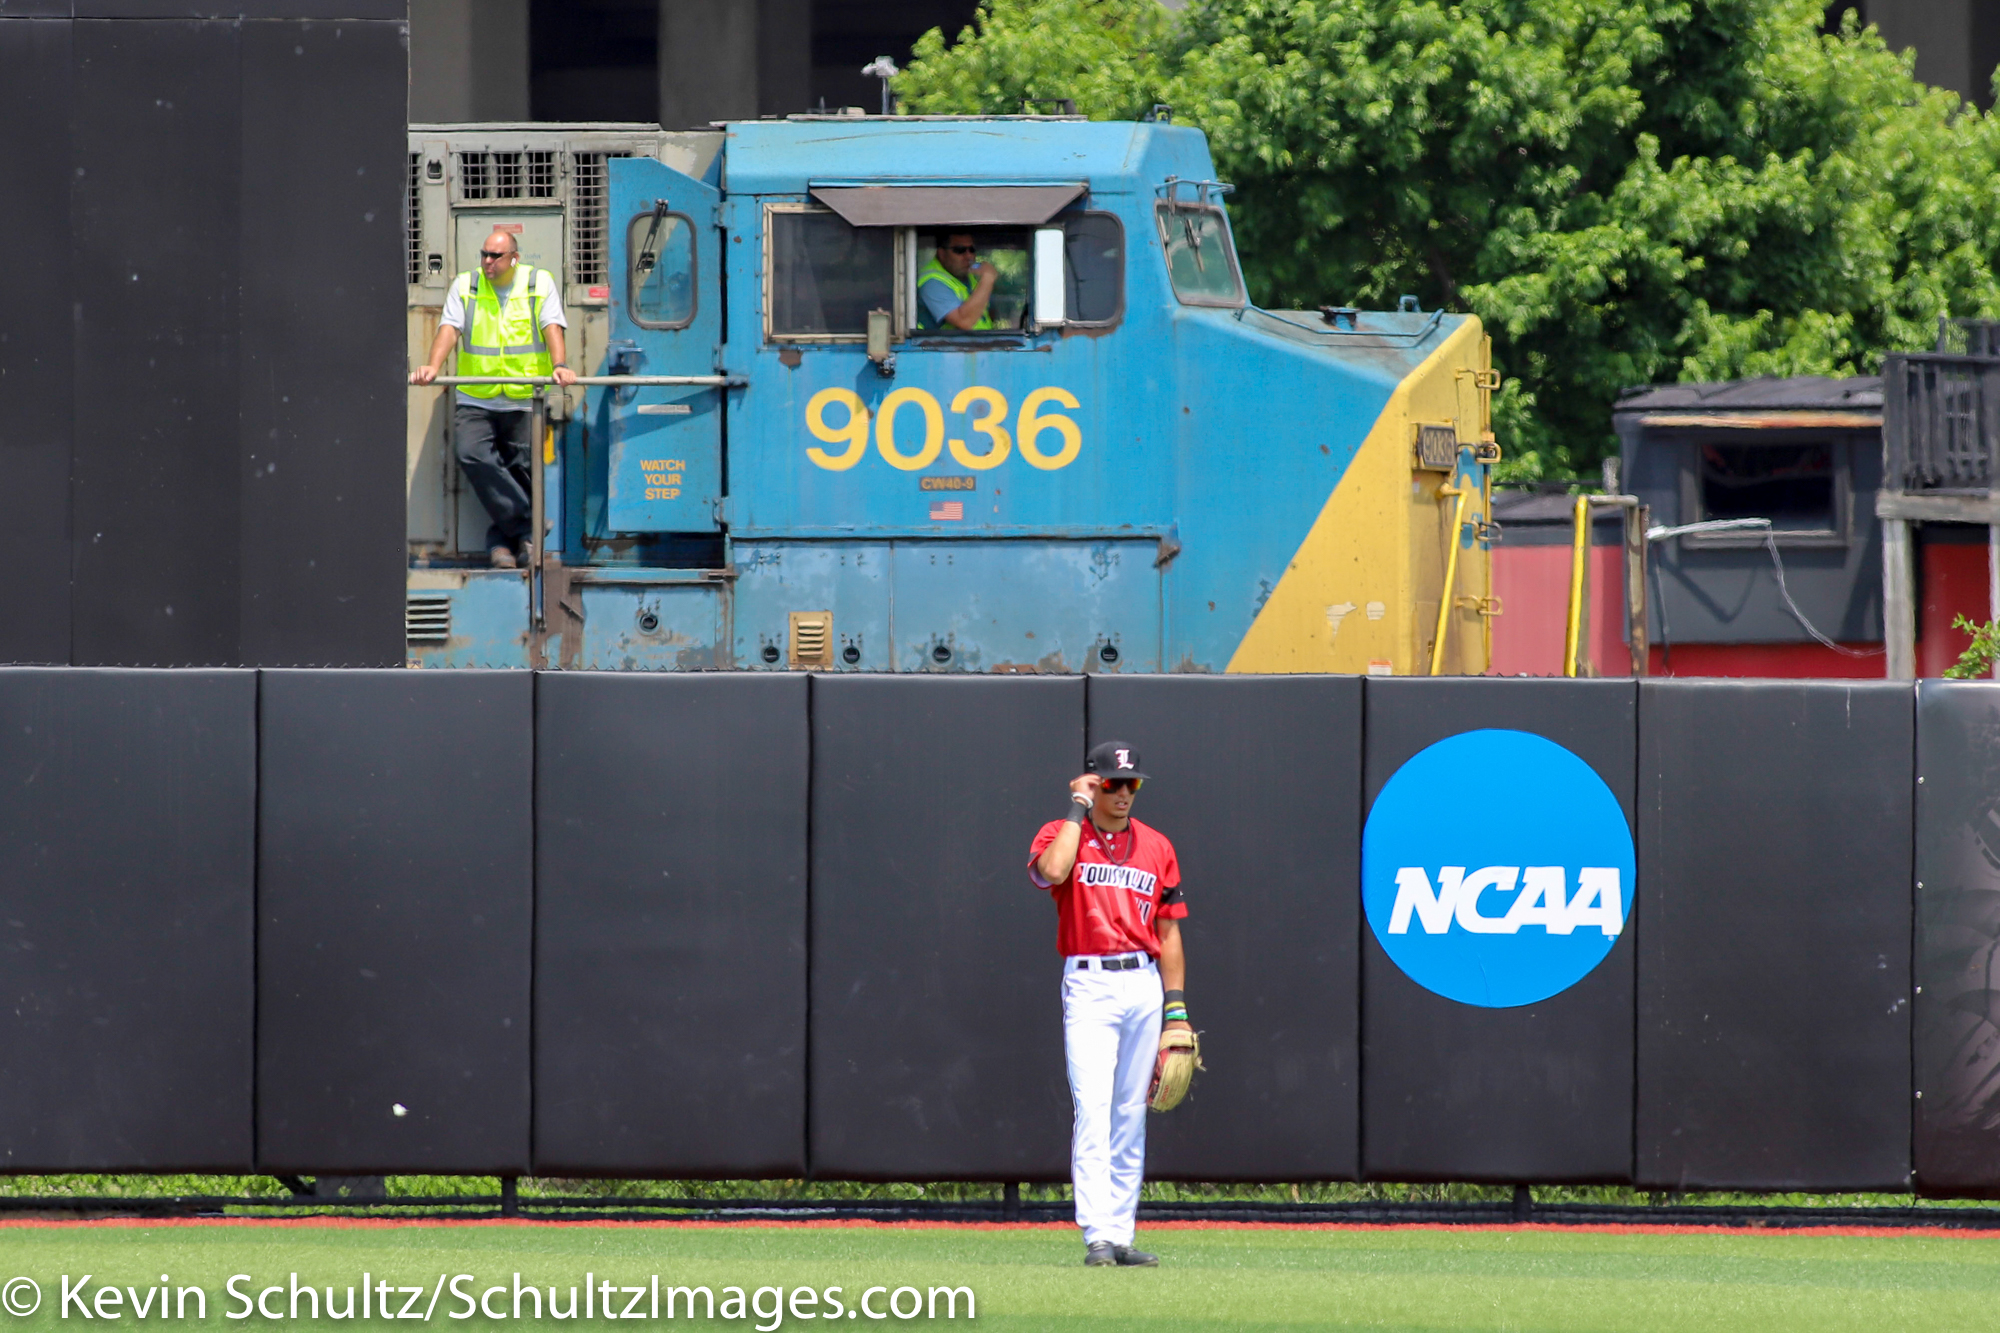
(953, 287)
(511, 317)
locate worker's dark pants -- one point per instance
(493, 454)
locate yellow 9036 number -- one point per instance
(985, 407)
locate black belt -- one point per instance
(1123, 963)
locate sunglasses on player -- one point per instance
(1122, 784)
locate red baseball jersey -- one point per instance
(1121, 884)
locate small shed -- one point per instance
(1761, 468)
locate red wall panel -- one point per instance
(1532, 583)
(1954, 582)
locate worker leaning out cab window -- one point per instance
(954, 287)
(511, 317)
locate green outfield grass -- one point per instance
(1030, 1278)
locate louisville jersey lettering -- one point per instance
(1121, 885)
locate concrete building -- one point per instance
(1957, 41)
(681, 63)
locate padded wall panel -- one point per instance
(395, 918)
(126, 920)
(670, 920)
(1542, 1092)
(1257, 782)
(157, 137)
(37, 360)
(322, 392)
(937, 1044)
(1957, 952)
(1774, 935)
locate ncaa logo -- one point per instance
(1496, 869)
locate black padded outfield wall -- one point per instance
(721, 925)
(1957, 884)
(208, 448)
(937, 1041)
(1534, 1092)
(1257, 783)
(670, 924)
(1774, 919)
(395, 846)
(126, 863)
(38, 362)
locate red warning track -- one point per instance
(1598, 1228)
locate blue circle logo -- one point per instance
(1496, 868)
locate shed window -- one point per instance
(826, 275)
(1799, 487)
(660, 288)
(1201, 261)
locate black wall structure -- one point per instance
(670, 924)
(1539, 1092)
(1958, 937)
(205, 452)
(688, 926)
(1259, 790)
(395, 903)
(1774, 935)
(127, 840)
(936, 1031)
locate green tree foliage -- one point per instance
(1627, 192)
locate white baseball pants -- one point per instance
(1111, 1036)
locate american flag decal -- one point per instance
(948, 510)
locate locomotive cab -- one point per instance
(1124, 466)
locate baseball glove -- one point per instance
(1173, 1071)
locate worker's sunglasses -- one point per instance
(963, 249)
(495, 255)
(1122, 784)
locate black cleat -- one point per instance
(1101, 1255)
(1128, 1257)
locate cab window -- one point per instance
(1201, 262)
(826, 275)
(1094, 251)
(659, 290)
(1005, 249)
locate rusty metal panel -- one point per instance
(948, 205)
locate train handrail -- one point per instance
(614, 381)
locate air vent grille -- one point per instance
(589, 199)
(413, 220)
(427, 619)
(530, 175)
(812, 640)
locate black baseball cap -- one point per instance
(1114, 759)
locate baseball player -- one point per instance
(1118, 903)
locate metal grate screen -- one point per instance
(413, 221)
(427, 618)
(529, 175)
(589, 196)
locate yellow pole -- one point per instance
(1579, 549)
(1463, 492)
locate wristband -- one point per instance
(1076, 812)
(1176, 997)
